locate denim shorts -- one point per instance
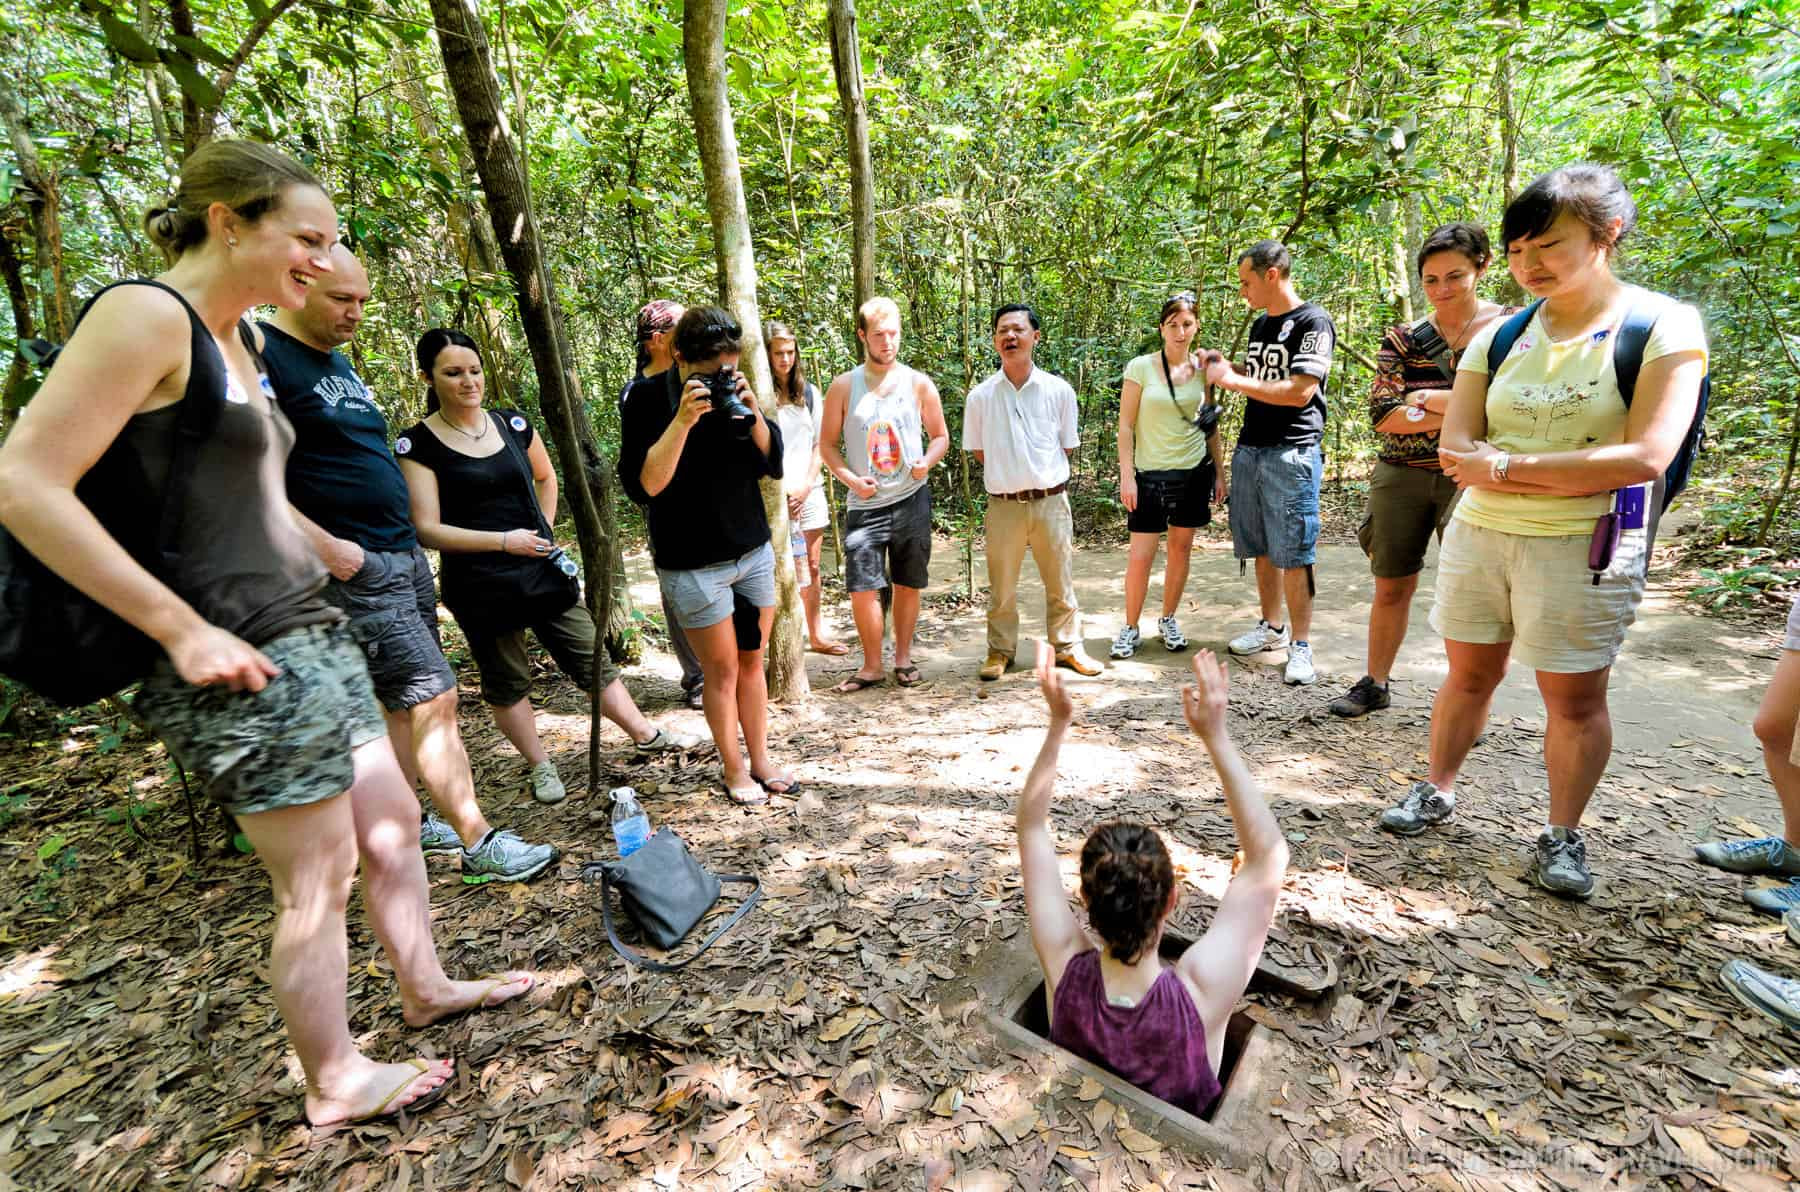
(1275, 504)
(703, 596)
(287, 745)
(392, 606)
(889, 544)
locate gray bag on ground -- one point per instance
(666, 892)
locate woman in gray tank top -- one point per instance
(262, 694)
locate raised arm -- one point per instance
(1219, 964)
(1055, 935)
(130, 354)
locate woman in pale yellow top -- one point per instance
(1171, 468)
(1542, 450)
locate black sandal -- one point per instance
(857, 683)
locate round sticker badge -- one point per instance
(518, 423)
(402, 445)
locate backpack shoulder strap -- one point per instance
(1507, 336)
(1634, 336)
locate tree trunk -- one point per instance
(1511, 293)
(965, 295)
(703, 49)
(471, 238)
(43, 207)
(469, 70)
(18, 374)
(846, 63)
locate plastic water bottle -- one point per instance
(631, 827)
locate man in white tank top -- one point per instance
(873, 437)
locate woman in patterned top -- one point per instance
(1410, 498)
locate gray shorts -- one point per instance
(889, 543)
(1275, 504)
(392, 606)
(1792, 641)
(287, 745)
(703, 596)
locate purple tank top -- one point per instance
(1159, 1045)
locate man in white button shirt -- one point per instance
(1020, 423)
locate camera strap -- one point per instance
(524, 465)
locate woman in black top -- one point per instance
(695, 462)
(262, 694)
(484, 495)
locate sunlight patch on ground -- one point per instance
(27, 970)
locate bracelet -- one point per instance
(1500, 466)
(503, 535)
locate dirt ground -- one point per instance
(1486, 1036)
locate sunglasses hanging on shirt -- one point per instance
(1205, 417)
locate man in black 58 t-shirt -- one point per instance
(1276, 468)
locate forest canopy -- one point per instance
(1089, 158)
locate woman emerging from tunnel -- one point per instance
(1112, 1000)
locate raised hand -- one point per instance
(1062, 708)
(1203, 702)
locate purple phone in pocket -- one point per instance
(1603, 543)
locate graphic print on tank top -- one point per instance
(886, 454)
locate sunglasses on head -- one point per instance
(1183, 296)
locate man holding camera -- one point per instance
(351, 502)
(872, 437)
(1021, 425)
(692, 446)
(1277, 466)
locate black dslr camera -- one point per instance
(723, 392)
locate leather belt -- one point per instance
(1031, 494)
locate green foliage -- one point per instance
(1089, 158)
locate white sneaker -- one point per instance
(1300, 665)
(664, 741)
(546, 786)
(1173, 641)
(1126, 644)
(1255, 641)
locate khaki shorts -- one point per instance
(1538, 594)
(287, 745)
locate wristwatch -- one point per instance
(1500, 465)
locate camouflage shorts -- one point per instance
(284, 746)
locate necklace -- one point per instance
(475, 435)
(1464, 329)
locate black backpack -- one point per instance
(53, 638)
(1628, 359)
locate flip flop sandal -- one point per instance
(908, 676)
(416, 1106)
(748, 796)
(835, 650)
(857, 683)
(788, 786)
(494, 981)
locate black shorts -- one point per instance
(892, 543)
(1180, 498)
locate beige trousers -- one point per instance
(1045, 527)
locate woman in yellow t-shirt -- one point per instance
(1171, 468)
(1540, 449)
